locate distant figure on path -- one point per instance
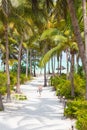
(39, 90)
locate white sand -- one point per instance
(43, 112)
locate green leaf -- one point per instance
(48, 33)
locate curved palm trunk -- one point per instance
(1, 104)
(19, 66)
(72, 75)
(27, 63)
(7, 64)
(78, 37)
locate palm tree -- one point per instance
(78, 37)
(6, 8)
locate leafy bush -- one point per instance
(63, 86)
(75, 108)
(79, 84)
(81, 123)
(65, 89)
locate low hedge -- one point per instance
(77, 109)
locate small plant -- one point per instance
(20, 97)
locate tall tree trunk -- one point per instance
(67, 64)
(49, 67)
(77, 62)
(34, 70)
(7, 64)
(4, 67)
(30, 62)
(27, 63)
(19, 66)
(1, 104)
(34, 64)
(52, 66)
(45, 79)
(85, 35)
(78, 37)
(72, 75)
(60, 63)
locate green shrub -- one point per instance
(3, 82)
(79, 84)
(20, 97)
(75, 108)
(81, 123)
(54, 81)
(65, 89)
(60, 83)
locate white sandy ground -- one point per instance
(43, 112)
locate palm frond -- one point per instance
(52, 52)
(59, 38)
(48, 33)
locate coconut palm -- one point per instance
(78, 37)
(6, 10)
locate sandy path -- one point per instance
(43, 112)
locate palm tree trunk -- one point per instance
(27, 63)
(30, 62)
(85, 35)
(49, 67)
(19, 66)
(60, 63)
(45, 79)
(1, 104)
(67, 64)
(52, 66)
(77, 62)
(78, 37)
(7, 64)
(72, 75)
